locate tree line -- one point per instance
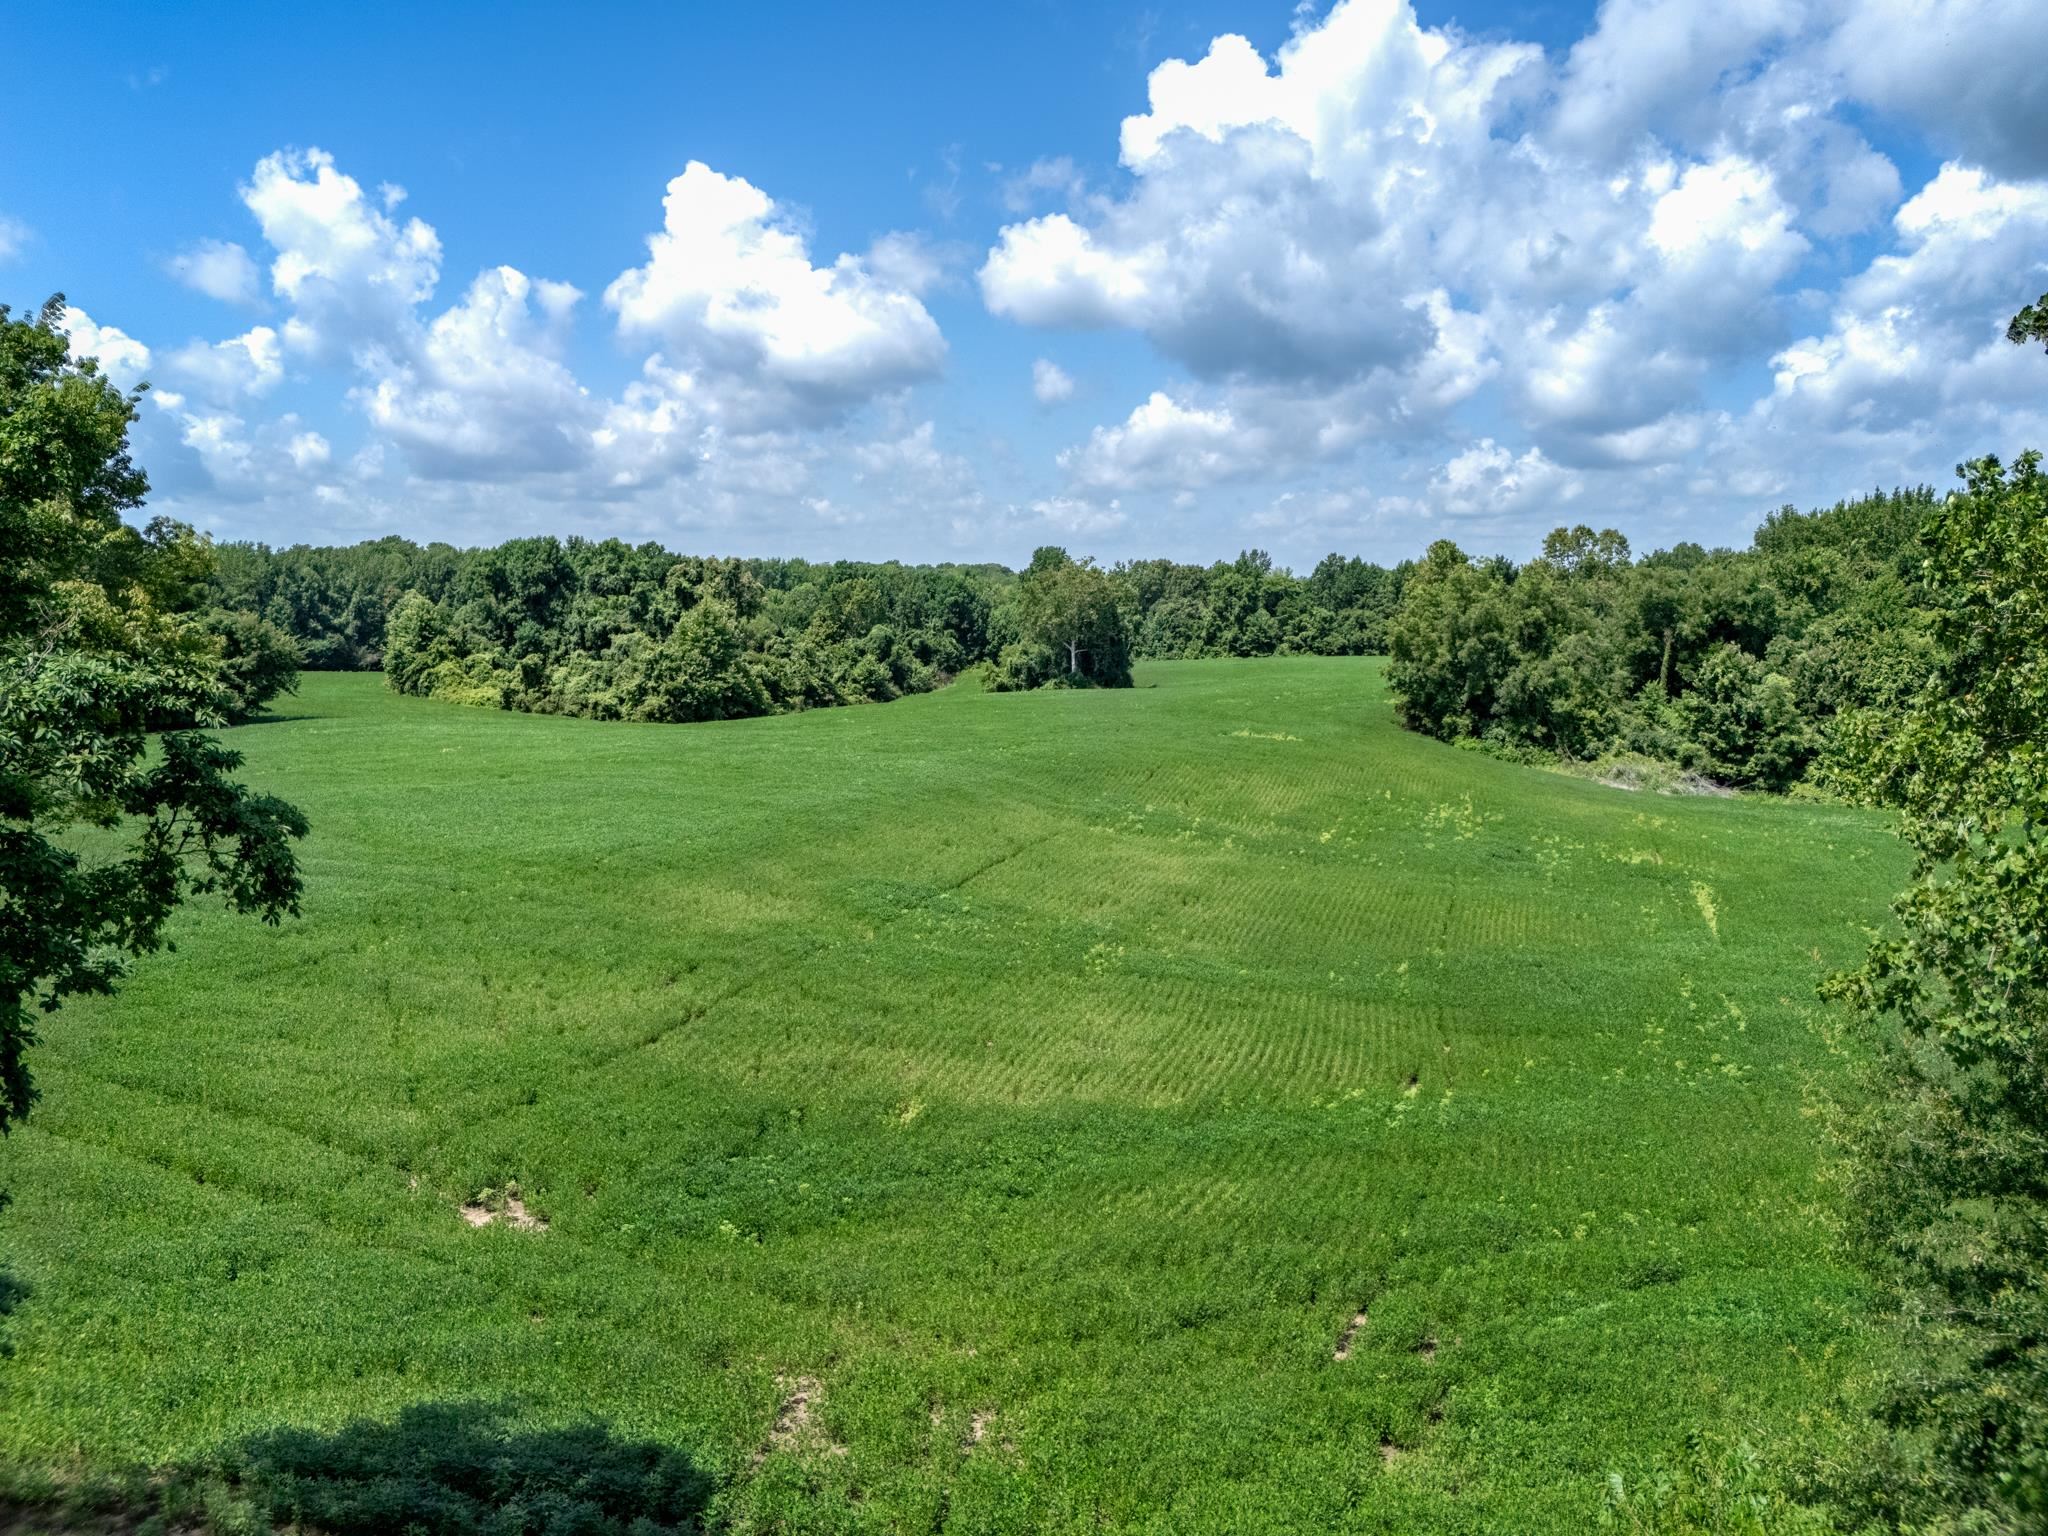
(1732, 664)
(608, 630)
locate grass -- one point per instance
(1038, 1087)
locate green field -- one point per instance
(1037, 1085)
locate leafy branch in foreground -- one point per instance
(2030, 324)
(107, 669)
(1948, 1155)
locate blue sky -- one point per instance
(1356, 278)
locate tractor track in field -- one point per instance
(741, 986)
(231, 1188)
(373, 1161)
(355, 1153)
(424, 1253)
(987, 865)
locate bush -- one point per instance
(1744, 722)
(258, 662)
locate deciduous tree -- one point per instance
(106, 664)
(1950, 1153)
(1071, 628)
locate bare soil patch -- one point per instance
(521, 1218)
(796, 1428)
(1350, 1332)
(487, 1209)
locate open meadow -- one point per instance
(1199, 1108)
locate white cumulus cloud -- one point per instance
(220, 269)
(351, 273)
(729, 290)
(486, 394)
(1967, 72)
(1050, 383)
(249, 364)
(121, 357)
(1920, 331)
(1489, 481)
(1164, 442)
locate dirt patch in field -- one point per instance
(1642, 773)
(1698, 784)
(521, 1218)
(794, 1418)
(1427, 1350)
(977, 1426)
(796, 1427)
(1350, 1332)
(1391, 1453)
(485, 1211)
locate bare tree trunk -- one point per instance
(1074, 658)
(1664, 673)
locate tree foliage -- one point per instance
(332, 601)
(108, 662)
(1245, 607)
(2030, 324)
(258, 661)
(620, 632)
(1724, 663)
(336, 605)
(1070, 629)
(1950, 1155)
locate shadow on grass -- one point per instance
(13, 1293)
(438, 1469)
(268, 719)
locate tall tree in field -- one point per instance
(107, 665)
(1950, 1155)
(1072, 629)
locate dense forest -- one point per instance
(1729, 664)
